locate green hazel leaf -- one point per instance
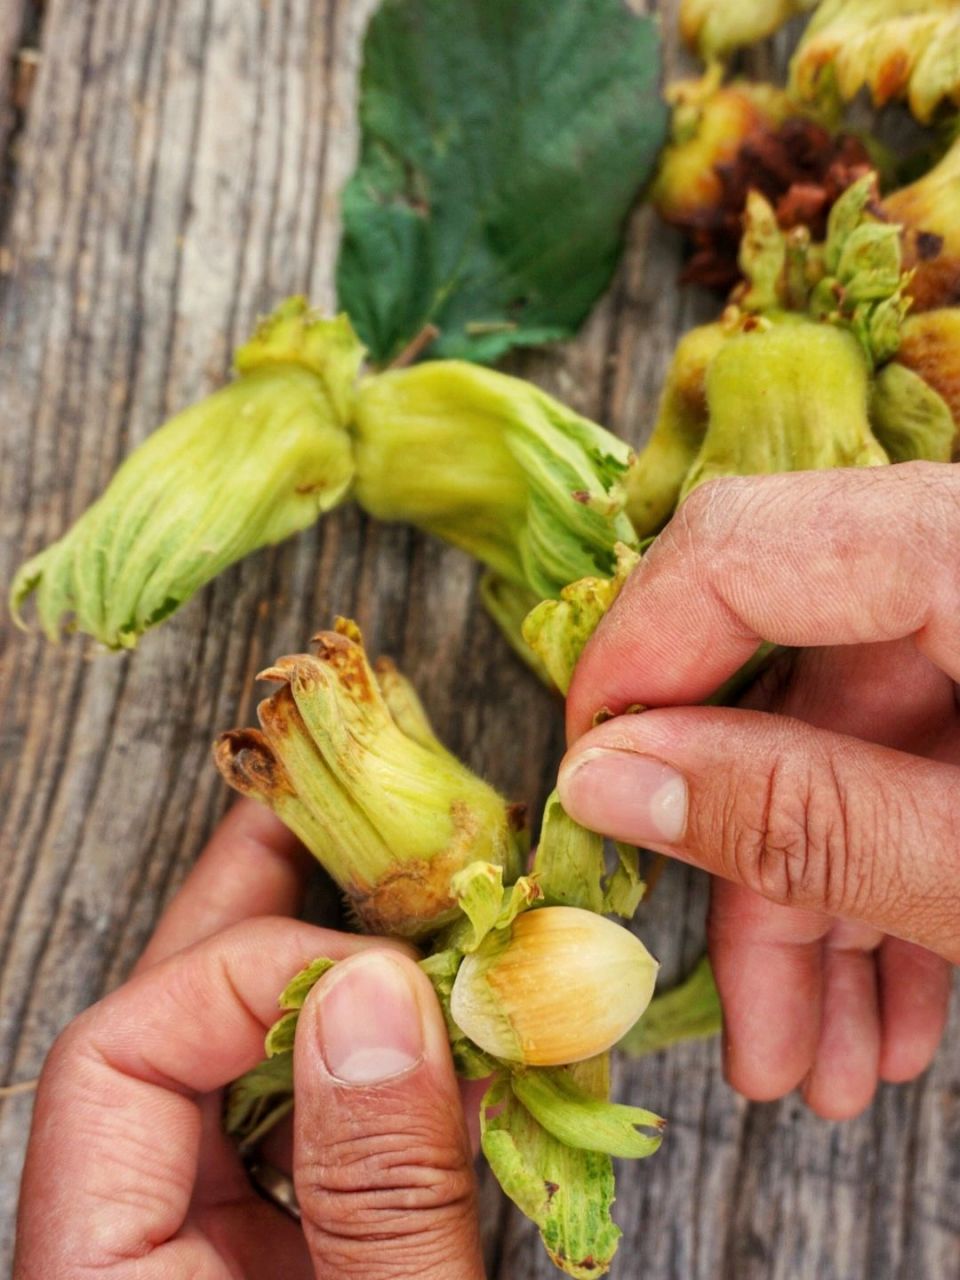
(578, 1119)
(566, 1191)
(503, 143)
(259, 1100)
(690, 1011)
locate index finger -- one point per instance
(806, 558)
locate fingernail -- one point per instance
(624, 795)
(370, 1025)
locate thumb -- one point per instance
(805, 817)
(382, 1162)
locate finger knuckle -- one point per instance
(796, 840)
(409, 1186)
(712, 540)
(934, 491)
(705, 514)
(69, 1047)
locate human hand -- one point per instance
(128, 1172)
(829, 804)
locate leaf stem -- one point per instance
(415, 347)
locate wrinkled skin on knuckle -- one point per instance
(75, 1066)
(794, 834)
(719, 539)
(703, 521)
(410, 1185)
(932, 487)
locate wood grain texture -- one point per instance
(177, 174)
(16, 19)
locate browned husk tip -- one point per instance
(355, 771)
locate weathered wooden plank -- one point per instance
(16, 73)
(182, 177)
(179, 172)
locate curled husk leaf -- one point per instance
(930, 347)
(570, 867)
(515, 995)
(716, 28)
(403, 702)
(581, 1120)
(566, 1191)
(896, 49)
(495, 466)
(360, 778)
(246, 467)
(928, 211)
(557, 630)
(909, 418)
(489, 462)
